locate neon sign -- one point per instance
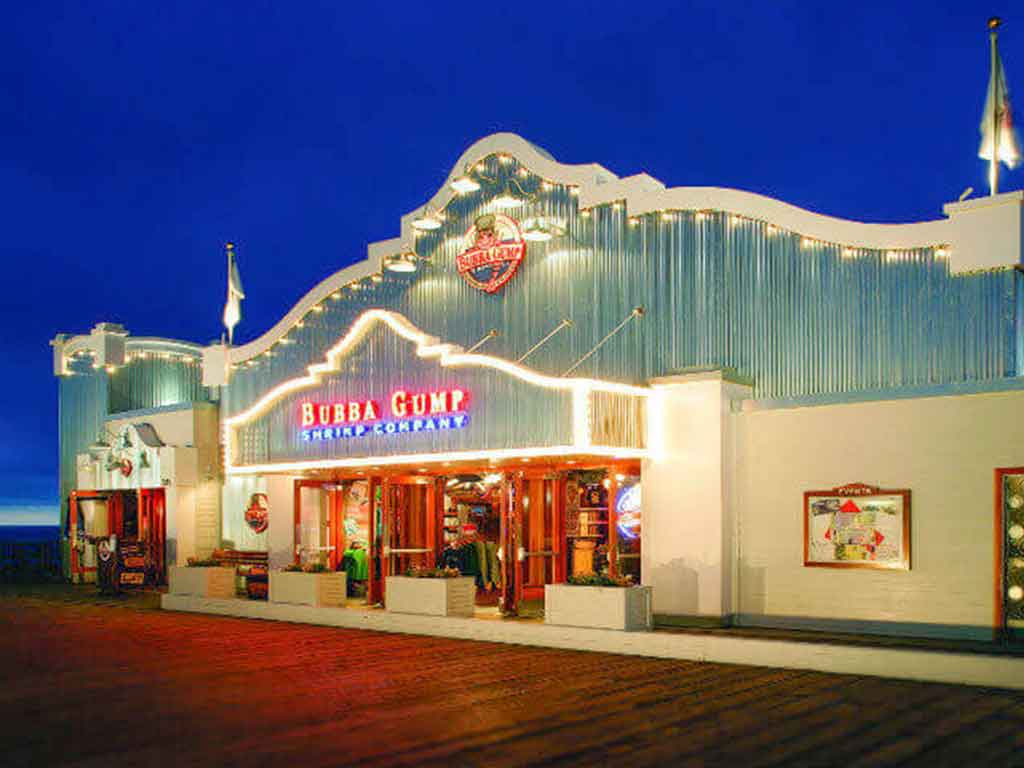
(627, 508)
(495, 251)
(440, 410)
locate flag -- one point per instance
(233, 307)
(997, 117)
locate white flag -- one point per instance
(999, 113)
(233, 307)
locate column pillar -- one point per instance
(688, 552)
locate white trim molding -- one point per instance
(984, 233)
(109, 344)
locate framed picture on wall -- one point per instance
(857, 526)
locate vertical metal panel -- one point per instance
(385, 363)
(153, 380)
(796, 317)
(82, 407)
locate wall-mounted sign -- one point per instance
(857, 526)
(442, 409)
(494, 250)
(256, 515)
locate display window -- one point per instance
(512, 530)
(332, 530)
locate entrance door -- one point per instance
(540, 554)
(1009, 582)
(88, 520)
(152, 534)
(410, 525)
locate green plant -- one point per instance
(599, 580)
(420, 572)
(206, 562)
(317, 566)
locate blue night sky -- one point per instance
(137, 137)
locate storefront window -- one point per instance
(627, 527)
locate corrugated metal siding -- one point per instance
(499, 408)
(87, 397)
(82, 407)
(797, 318)
(154, 381)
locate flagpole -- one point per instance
(993, 26)
(231, 330)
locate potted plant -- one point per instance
(201, 578)
(431, 592)
(310, 584)
(598, 601)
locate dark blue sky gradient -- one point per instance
(137, 137)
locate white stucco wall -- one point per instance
(687, 534)
(944, 449)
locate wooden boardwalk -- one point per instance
(86, 682)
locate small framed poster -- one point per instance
(857, 526)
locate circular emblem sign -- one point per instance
(256, 514)
(494, 250)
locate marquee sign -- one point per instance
(442, 409)
(495, 249)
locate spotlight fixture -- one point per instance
(400, 262)
(427, 222)
(507, 199)
(541, 229)
(464, 185)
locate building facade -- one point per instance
(767, 415)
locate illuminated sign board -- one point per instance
(495, 249)
(407, 413)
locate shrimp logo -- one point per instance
(256, 514)
(495, 249)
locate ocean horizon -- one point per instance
(15, 514)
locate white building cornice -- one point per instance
(984, 233)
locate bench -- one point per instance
(250, 565)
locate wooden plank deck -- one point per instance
(85, 682)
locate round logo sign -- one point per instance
(256, 514)
(494, 251)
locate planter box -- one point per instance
(297, 588)
(431, 597)
(625, 608)
(212, 581)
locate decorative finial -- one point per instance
(229, 246)
(994, 22)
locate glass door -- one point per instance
(540, 554)
(409, 525)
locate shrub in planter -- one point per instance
(600, 580)
(201, 578)
(431, 592)
(598, 601)
(312, 584)
(420, 572)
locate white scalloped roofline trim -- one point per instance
(83, 343)
(641, 194)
